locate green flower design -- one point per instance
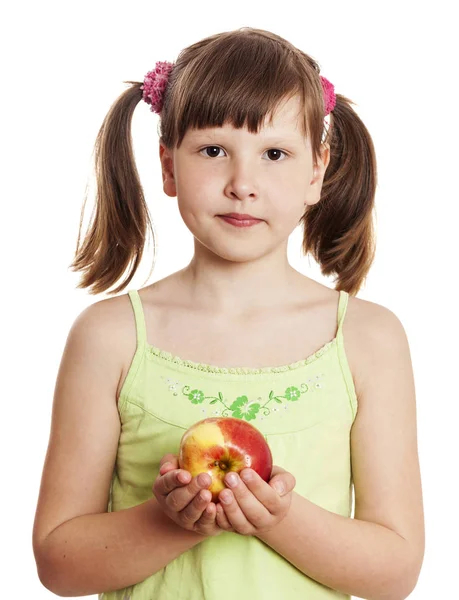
(292, 393)
(196, 396)
(243, 409)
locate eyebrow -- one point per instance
(278, 139)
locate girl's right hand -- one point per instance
(186, 500)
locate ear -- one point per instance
(167, 168)
(315, 186)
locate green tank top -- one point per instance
(305, 410)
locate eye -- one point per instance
(212, 148)
(275, 152)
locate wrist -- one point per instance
(262, 535)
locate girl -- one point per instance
(253, 142)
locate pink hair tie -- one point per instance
(155, 83)
(329, 95)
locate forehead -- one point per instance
(286, 115)
(284, 123)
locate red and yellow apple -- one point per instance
(218, 445)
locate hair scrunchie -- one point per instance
(155, 83)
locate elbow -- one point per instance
(47, 580)
(55, 586)
(51, 576)
(412, 578)
(405, 581)
(50, 587)
(42, 565)
(398, 591)
(412, 572)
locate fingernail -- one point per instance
(232, 479)
(183, 477)
(203, 480)
(246, 475)
(227, 498)
(279, 487)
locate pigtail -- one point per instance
(117, 235)
(228, 78)
(338, 230)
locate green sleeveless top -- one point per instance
(305, 410)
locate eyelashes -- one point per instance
(278, 151)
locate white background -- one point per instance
(63, 64)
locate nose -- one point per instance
(241, 182)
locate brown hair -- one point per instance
(237, 77)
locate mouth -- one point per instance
(239, 220)
(240, 217)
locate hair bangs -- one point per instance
(242, 82)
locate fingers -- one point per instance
(206, 522)
(171, 480)
(168, 466)
(177, 495)
(208, 515)
(222, 519)
(167, 457)
(283, 483)
(213, 521)
(194, 510)
(252, 488)
(252, 504)
(186, 500)
(168, 461)
(235, 516)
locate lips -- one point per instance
(238, 222)
(241, 217)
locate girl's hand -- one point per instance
(255, 506)
(185, 500)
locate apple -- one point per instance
(218, 445)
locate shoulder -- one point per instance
(372, 333)
(108, 316)
(115, 318)
(372, 320)
(111, 321)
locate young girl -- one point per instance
(253, 142)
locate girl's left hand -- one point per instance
(255, 505)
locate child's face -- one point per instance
(268, 175)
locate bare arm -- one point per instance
(363, 559)
(104, 552)
(79, 548)
(377, 555)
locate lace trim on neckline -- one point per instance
(163, 354)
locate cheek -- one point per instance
(286, 202)
(197, 208)
(290, 184)
(196, 190)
